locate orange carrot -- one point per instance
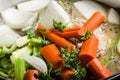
(98, 70)
(69, 34)
(95, 20)
(29, 75)
(55, 38)
(67, 74)
(88, 50)
(52, 55)
(68, 29)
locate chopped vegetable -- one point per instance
(69, 29)
(33, 5)
(7, 36)
(88, 50)
(19, 53)
(69, 34)
(19, 68)
(93, 22)
(59, 25)
(56, 39)
(29, 75)
(52, 55)
(36, 62)
(17, 19)
(73, 63)
(98, 70)
(87, 35)
(88, 8)
(54, 12)
(113, 17)
(22, 41)
(67, 74)
(50, 74)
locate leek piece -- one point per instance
(19, 67)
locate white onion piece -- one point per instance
(36, 62)
(18, 19)
(113, 16)
(118, 46)
(54, 11)
(33, 5)
(88, 8)
(7, 36)
(4, 4)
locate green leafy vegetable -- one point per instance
(6, 67)
(87, 35)
(72, 62)
(49, 75)
(59, 25)
(31, 33)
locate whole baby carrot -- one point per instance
(52, 55)
(88, 50)
(97, 69)
(55, 38)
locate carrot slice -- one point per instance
(29, 75)
(88, 50)
(52, 55)
(55, 38)
(98, 70)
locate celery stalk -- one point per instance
(19, 67)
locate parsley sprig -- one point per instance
(59, 25)
(72, 62)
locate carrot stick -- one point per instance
(95, 20)
(55, 38)
(67, 74)
(68, 29)
(29, 75)
(69, 34)
(98, 70)
(88, 50)
(52, 55)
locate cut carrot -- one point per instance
(52, 55)
(29, 75)
(98, 70)
(67, 74)
(95, 20)
(68, 29)
(69, 34)
(55, 38)
(88, 50)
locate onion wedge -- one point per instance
(36, 62)
(18, 19)
(88, 8)
(33, 5)
(54, 11)
(7, 36)
(113, 17)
